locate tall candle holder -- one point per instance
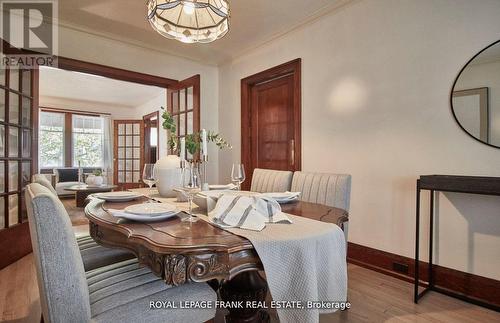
(204, 183)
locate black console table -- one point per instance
(447, 183)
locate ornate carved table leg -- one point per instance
(246, 287)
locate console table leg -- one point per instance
(417, 233)
(247, 286)
(431, 239)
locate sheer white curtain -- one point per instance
(108, 148)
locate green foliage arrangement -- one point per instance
(193, 141)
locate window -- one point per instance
(88, 141)
(51, 139)
(68, 138)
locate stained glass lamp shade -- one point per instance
(190, 21)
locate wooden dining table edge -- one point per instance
(175, 265)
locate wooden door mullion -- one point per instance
(7, 147)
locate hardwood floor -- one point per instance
(19, 301)
(374, 297)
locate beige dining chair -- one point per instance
(121, 292)
(42, 180)
(93, 254)
(269, 180)
(327, 189)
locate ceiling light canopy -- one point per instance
(190, 21)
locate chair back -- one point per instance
(62, 284)
(42, 180)
(328, 189)
(268, 180)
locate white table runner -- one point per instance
(303, 261)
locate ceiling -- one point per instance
(61, 84)
(252, 23)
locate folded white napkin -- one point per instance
(246, 212)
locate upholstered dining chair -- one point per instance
(328, 189)
(117, 293)
(93, 254)
(269, 180)
(42, 180)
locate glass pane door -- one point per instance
(16, 143)
(128, 149)
(18, 158)
(184, 106)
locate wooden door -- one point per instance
(18, 158)
(271, 119)
(128, 153)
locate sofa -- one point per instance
(68, 176)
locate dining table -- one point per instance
(185, 252)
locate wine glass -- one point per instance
(148, 177)
(238, 174)
(191, 184)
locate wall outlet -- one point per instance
(400, 268)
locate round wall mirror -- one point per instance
(475, 97)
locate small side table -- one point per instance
(447, 183)
(83, 191)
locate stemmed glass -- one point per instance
(238, 174)
(191, 184)
(148, 177)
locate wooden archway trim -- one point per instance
(114, 72)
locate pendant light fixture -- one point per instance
(190, 21)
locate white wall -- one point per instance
(485, 75)
(100, 50)
(376, 79)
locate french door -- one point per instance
(183, 103)
(128, 153)
(18, 158)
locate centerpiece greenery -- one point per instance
(193, 141)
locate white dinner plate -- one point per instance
(220, 187)
(151, 209)
(145, 218)
(117, 196)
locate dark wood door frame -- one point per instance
(286, 69)
(147, 136)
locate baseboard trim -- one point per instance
(480, 289)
